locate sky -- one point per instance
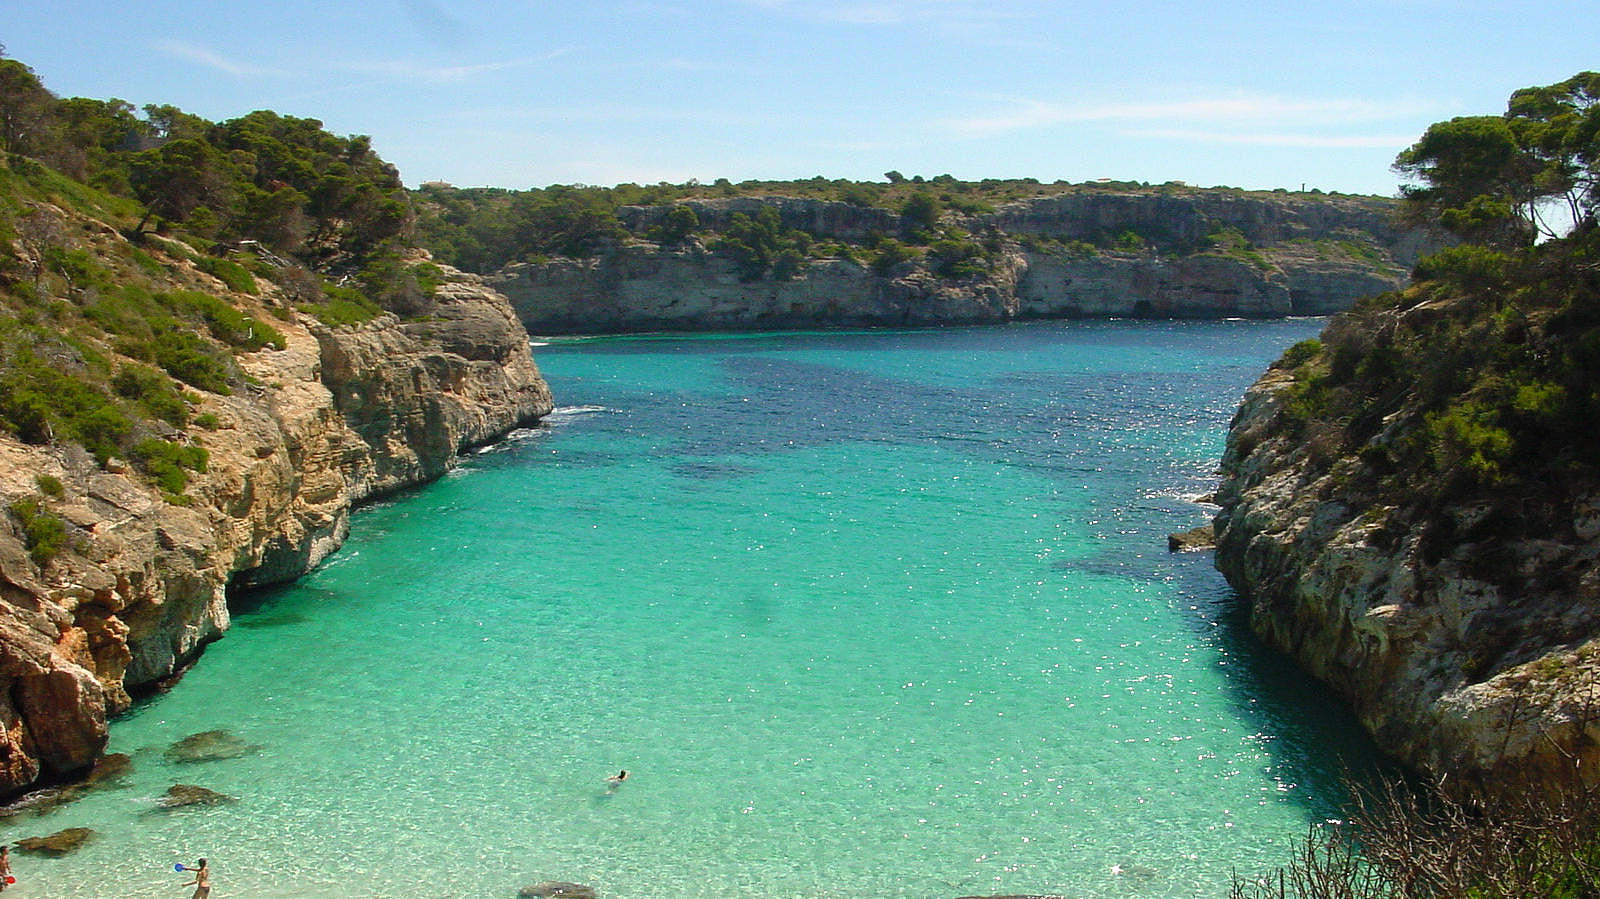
(1257, 95)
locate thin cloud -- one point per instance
(413, 71)
(943, 13)
(1312, 141)
(213, 60)
(1024, 113)
(612, 114)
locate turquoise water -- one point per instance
(879, 614)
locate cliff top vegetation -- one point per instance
(1483, 376)
(483, 229)
(142, 250)
(1454, 421)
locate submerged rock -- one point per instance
(109, 771)
(209, 746)
(556, 889)
(57, 844)
(185, 795)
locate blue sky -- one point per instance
(1256, 95)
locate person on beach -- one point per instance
(5, 864)
(201, 882)
(616, 780)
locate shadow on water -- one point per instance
(262, 608)
(1318, 745)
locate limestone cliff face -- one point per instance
(338, 416)
(1306, 257)
(1466, 654)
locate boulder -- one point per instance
(1202, 537)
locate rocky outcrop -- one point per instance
(642, 287)
(1467, 653)
(1295, 255)
(338, 416)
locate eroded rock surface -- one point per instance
(338, 416)
(1300, 256)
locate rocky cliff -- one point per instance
(1411, 514)
(1201, 254)
(339, 415)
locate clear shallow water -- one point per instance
(883, 614)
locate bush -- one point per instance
(50, 486)
(230, 273)
(922, 211)
(1300, 354)
(153, 392)
(1399, 842)
(224, 321)
(890, 253)
(43, 531)
(191, 360)
(956, 258)
(168, 463)
(1468, 267)
(343, 306)
(41, 402)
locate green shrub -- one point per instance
(890, 253)
(43, 531)
(208, 420)
(41, 402)
(343, 306)
(1300, 353)
(168, 463)
(1467, 266)
(957, 258)
(1308, 397)
(191, 360)
(50, 485)
(231, 273)
(224, 321)
(1468, 437)
(153, 391)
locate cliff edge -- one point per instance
(1411, 508)
(779, 262)
(112, 580)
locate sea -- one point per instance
(864, 615)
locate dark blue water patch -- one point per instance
(711, 470)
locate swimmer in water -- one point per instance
(616, 780)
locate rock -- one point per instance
(185, 795)
(209, 746)
(57, 844)
(555, 889)
(335, 418)
(1472, 657)
(1306, 257)
(1202, 537)
(109, 771)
